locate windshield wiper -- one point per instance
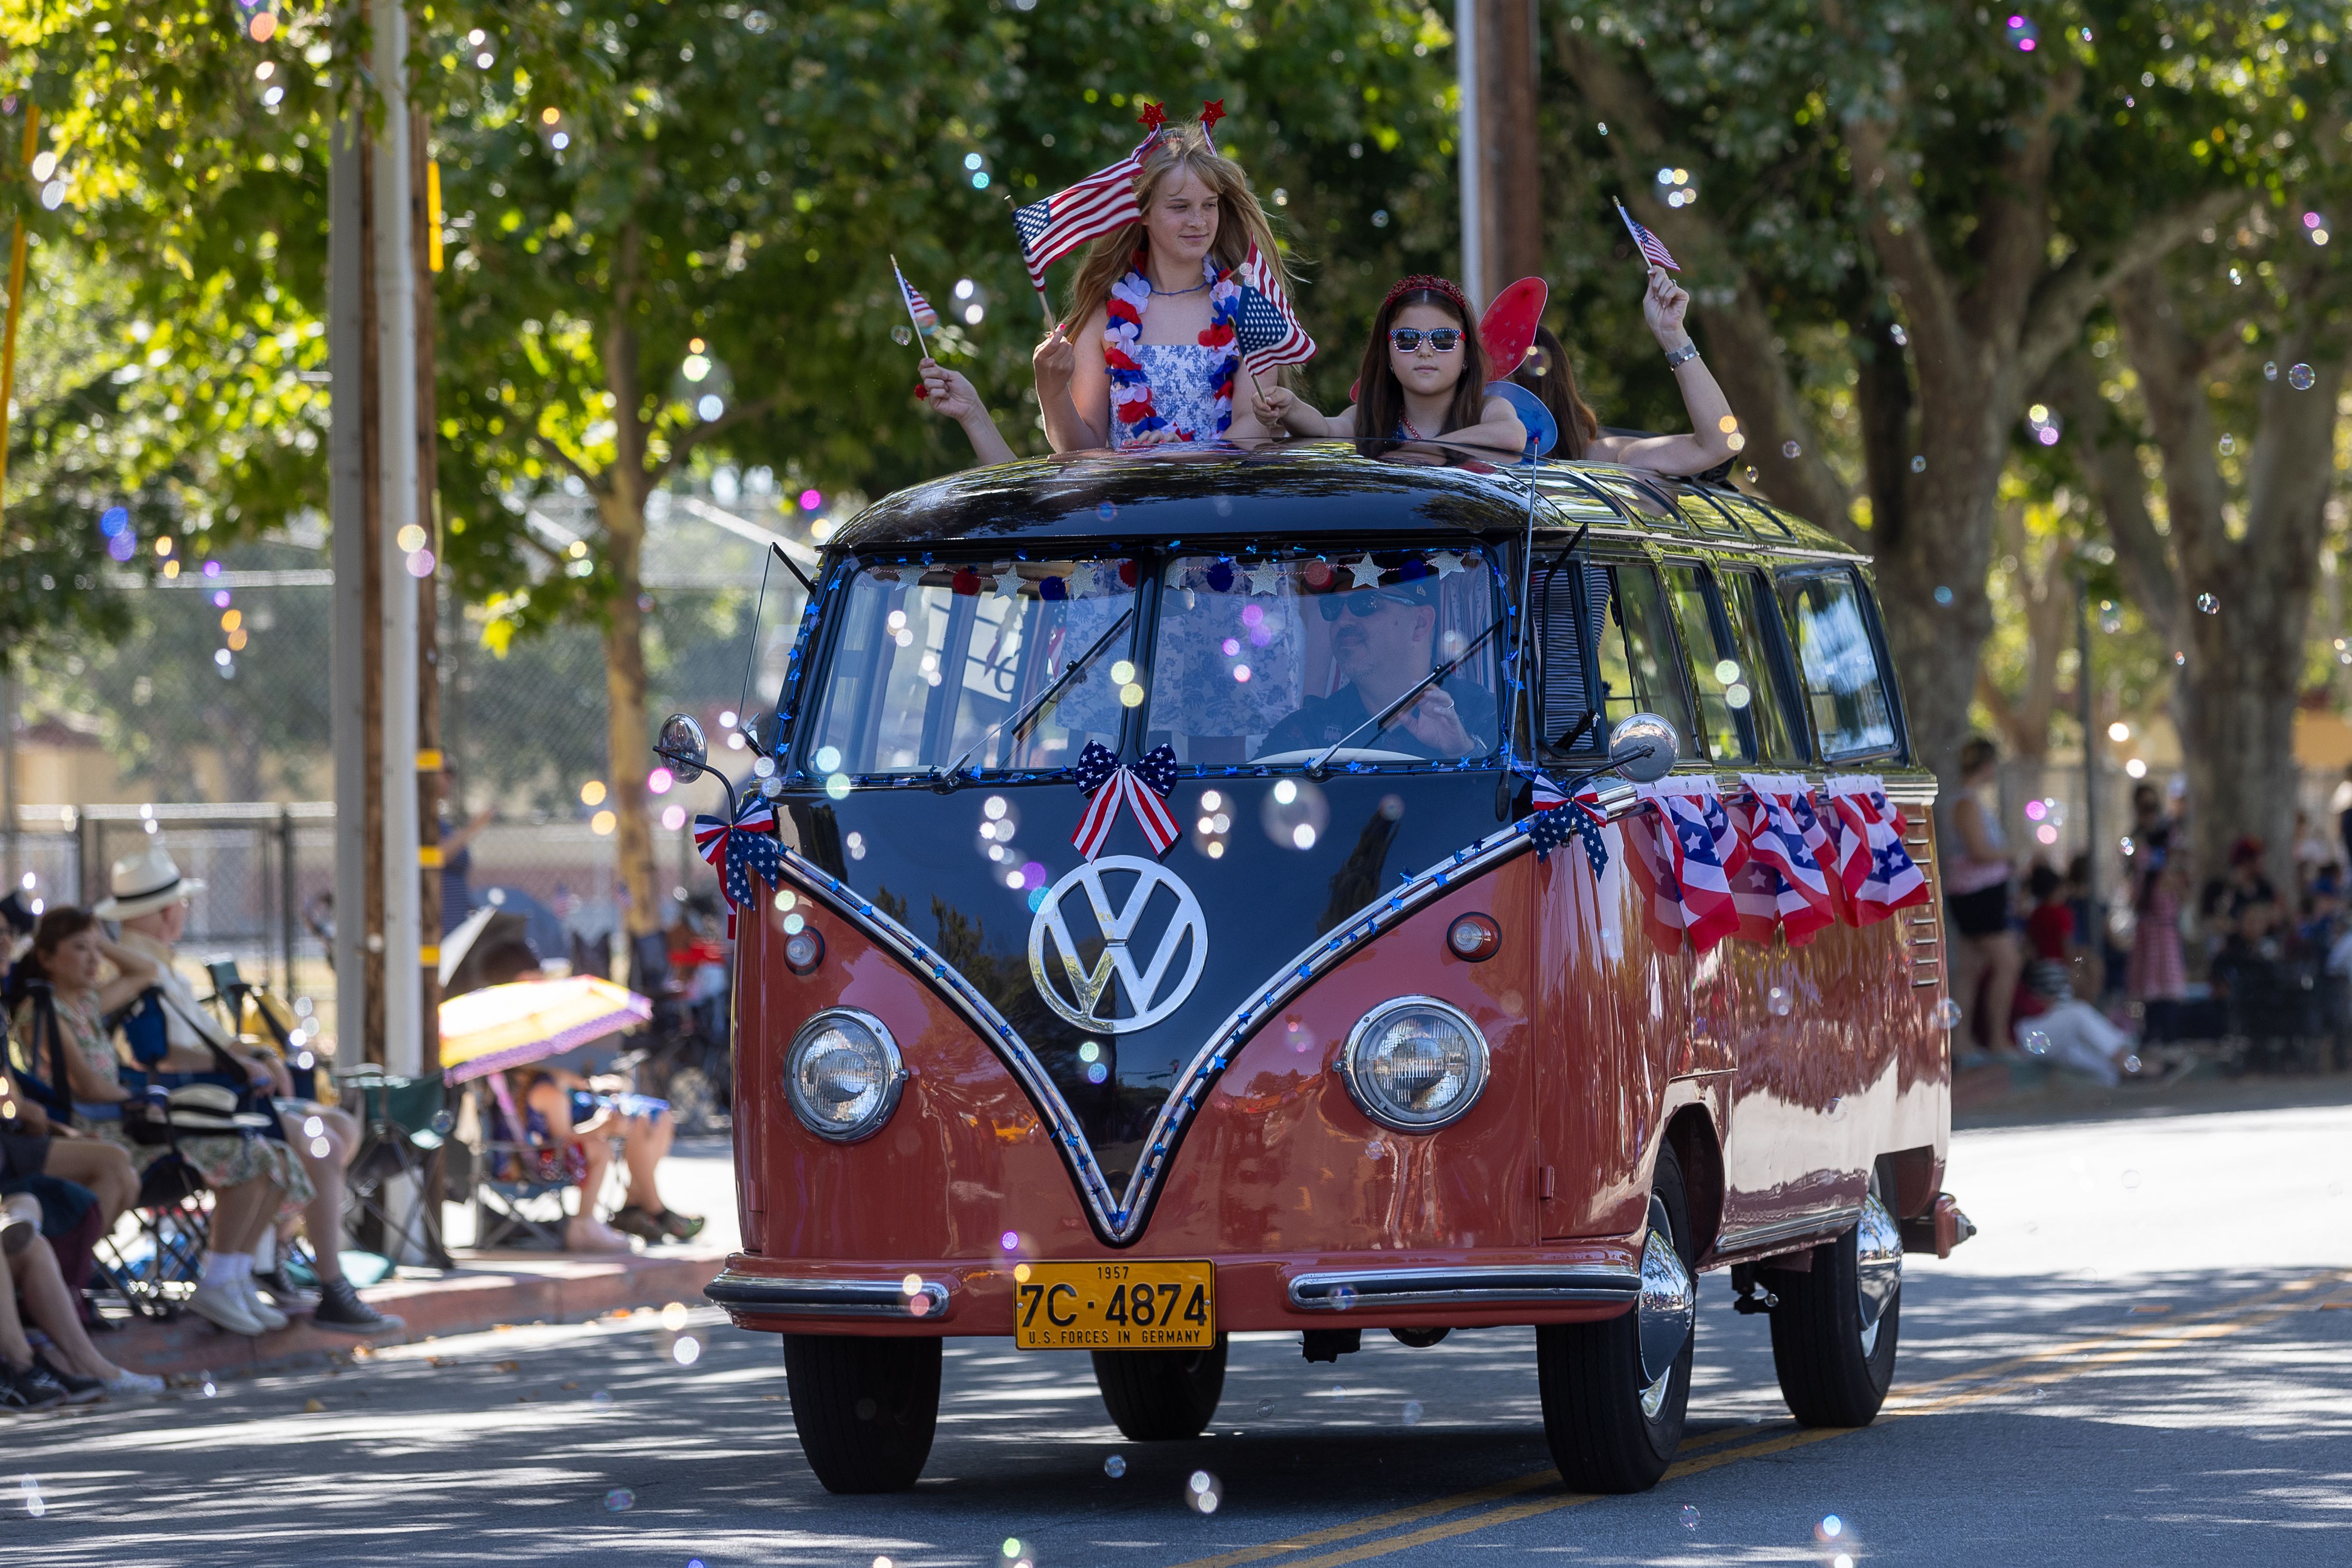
(1020, 721)
(1380, 721)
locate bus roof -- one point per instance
(1301, 490)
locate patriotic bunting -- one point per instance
(1144, 785)
(1697, 832)
(738, 851)
(1878, 874)
(1786, 839)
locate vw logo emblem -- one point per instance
(1144, 995)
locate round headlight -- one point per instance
(1414, 1064)
(843, 1074)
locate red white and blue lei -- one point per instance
(1133, 410)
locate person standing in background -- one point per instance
(457, 855)
(1975, 895)
(2157, 978)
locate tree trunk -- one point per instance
(2245, 571)
(621, 504)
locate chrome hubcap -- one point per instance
(1668, 1307)
(1878, 1266)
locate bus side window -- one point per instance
(1762, 653)
(1641, 670)
(1724, 697)
(1571, 601)
(1844, 690)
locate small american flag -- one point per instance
(1269, 333)
(1098, 205)
(917, 305)
(1652, 245)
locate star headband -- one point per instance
(1212, 110)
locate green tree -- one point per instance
(1903, 211)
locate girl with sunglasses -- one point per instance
(1422, 377)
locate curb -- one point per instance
(489, 1289)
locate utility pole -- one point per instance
(1496, 48)
(375, 479)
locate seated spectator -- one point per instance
(150, 900)
(573, 1122)
(250, 1177)
(69, 1369)
(568, 1122)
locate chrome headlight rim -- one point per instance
(1377, 1110)
(874, 1119)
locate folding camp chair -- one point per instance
(513, 1206)
(403, 1126)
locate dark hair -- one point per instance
(1977, 750)
(506, 961)
(60, 925)
(1547, 373)
(2043, 880)
(1379, 407)
(2078, 870)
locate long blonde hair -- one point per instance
(1240, 219)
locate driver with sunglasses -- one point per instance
(1382, 642)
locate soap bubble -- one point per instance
(208, 1390)
(1690, 1516)
(686, 1350)
(1343, 1297)
(1203, 1492)
(1115, 1467)
(1831, 1528)
(1918, 464)
(1781, 1001)
(1412, 1412)
(1790, 449)
(1943, 594)
(902, 334)
(1265, 1408)
(602, 1400)
(620, 1499)
(2270, 369)
(1948, 1014)
(31, 1489)
(2131, 1178)
(2299, 377)
(673, 1316)
(1107, 511)
(2037, 1043)
(2210, 603)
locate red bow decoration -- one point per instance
(1152, 117)
(1211, 112)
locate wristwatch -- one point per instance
(1677, 358)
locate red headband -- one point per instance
(1422, 280)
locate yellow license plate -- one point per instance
(1116, 1306)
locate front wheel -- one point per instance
(1614, 1393)
(1833, 1332)
(865, 1408)
(1158, 1395)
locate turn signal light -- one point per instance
(1476, 937)
(803, 951)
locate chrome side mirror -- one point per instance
(1642, 748)
(681, 746)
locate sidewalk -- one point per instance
(485, 1290)
(488, 1290)
(2017, 1092)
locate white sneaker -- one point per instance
(134, 1385)
(223, 1305)
(267, 1316)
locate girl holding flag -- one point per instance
(1423, 377)
(1158, 304)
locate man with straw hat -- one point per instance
(150, 900)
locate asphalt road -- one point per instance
(2144, 1358)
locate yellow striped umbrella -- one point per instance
(508, 1025)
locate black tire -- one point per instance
(1160, 1395)
(1592, 1381)
(1826, 1375)
(865, 1408)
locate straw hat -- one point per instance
(145, 883)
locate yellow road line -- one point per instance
(1405, 1516)
(1967, 1387)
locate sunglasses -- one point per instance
(1407, 340)
(1363, 603)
